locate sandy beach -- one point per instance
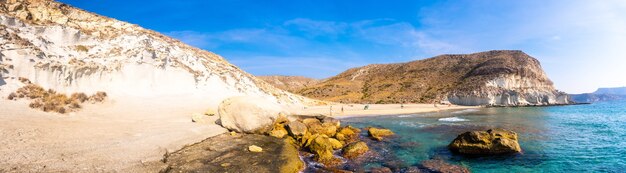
(353, 110)
(115, 136)
(126, 135)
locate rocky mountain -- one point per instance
(600, 95)
(611, 91)
(66, 49)
(592, 98)
(289, 83)
(499, 78)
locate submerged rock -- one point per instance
(490, 142)
(437, 165)
(381, 170)
(248, 114)
(378, 134)
(354, 150)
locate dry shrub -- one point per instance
(98, 97)
(12, 96)
(80, 97)
(51, 101)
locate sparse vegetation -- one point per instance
(82, 48)
(51, 101)
(424, 81)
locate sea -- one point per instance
(576, 138)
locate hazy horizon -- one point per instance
(579, 44)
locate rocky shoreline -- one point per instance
(300, 144)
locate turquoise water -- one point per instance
(578, 138)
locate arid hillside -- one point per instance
(290, 83)
(504, 77)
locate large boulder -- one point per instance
(322, 147)
(354, 150)
(348, 134)
(248, 114)
(296, 128)
(379, 133)
(490, 142)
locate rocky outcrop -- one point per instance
(69, 50)
(498, 78)
(248, 114)
(490, 142)
(226, 153)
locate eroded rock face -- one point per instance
(490, 142)
(69, 50)
(248, 114)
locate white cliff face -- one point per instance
(512, 90)
(70, 50)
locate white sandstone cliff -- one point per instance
(71, 50)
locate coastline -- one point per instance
(357, 110)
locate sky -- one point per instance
(581, 44)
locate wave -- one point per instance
(453, 119)
(465, 111)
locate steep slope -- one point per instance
(290, 83)
(487, 78)
(70, 50)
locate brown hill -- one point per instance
(290, 83)
(485, 78)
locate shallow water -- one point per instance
(578, 138)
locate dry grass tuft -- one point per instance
(51, 101)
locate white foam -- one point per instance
(453, 119)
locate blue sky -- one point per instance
(581, 44)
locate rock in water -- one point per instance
(354, 150)
(490, 142)
(378, 134)
(254, 148)
(248, 114)
(322, 147)
(348, 134)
